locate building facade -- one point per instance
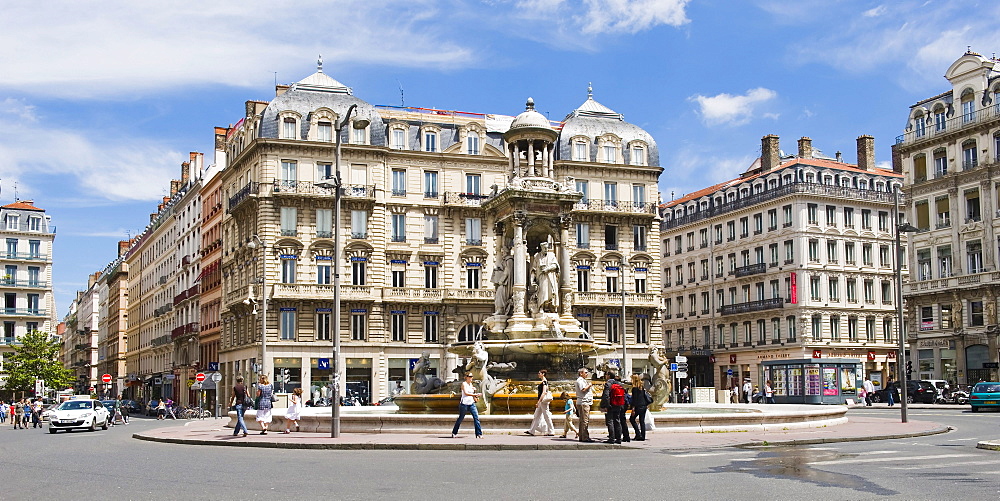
(26, 283)
(790, 261)
(417, 245)
(186, 332)
(949, 154)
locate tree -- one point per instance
(36, 358)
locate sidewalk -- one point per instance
(212, 432)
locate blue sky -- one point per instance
(100, 102)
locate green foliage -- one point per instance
(36, 358)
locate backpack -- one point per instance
(617, 395)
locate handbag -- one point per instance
(547, 396)
(274, 398)
(648, 397)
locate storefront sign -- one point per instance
(795, 290)
(933, 343)
(871, 356)
(732, 359)
(817, 353)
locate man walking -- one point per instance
(239, 401)
(584, 400)
(747, 390)
(869, 389)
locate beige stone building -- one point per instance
(790, 261)
(417, 246)
(949, 153)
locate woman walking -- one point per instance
(468, 404)
(639, 405)
(541, 423)
(294, 411)
(264, 393)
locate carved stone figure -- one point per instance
(422, 382)
(546, 269)
(661, 379)
(502, 277)
(501, 367)
(477, 363)
(991, 311)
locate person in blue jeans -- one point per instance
(240, 400)
(468, 404)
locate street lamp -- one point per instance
(901, 363)
(336, 183)
(626, 366)
(254, 242)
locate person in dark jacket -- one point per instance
(612, 412)
(639, 405)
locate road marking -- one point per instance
(709, 454)
(962, 439)
(879, 459)
(949, 465)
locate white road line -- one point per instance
(963, 439)
(947, 466)
(709, 454)
(880, 459)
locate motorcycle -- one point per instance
(959, 397)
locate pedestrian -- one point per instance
(686, 395)
(768, 392)
(468, 404)
(26, 417)
(893, 394)
(613, 405)
(293, 414)
(3, 412)
(570, 411)
(584, 400)
(16, 411)
(265, 392)
(541, 423)
(869, 389)
(117, 407)
(747, 390)
(161, 410)
(640, 402)
(239, 402)
(124, 409)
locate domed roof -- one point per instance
(530, 118)
(592, 119)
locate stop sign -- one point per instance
(199, 377)
(106, 378)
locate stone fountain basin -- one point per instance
(674, 418)
(565, 346)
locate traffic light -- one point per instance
(909, 368)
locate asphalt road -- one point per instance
(111, 465)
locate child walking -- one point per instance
(570, 411)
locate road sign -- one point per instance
(106, 378)
(680, 359)
(681, 374)
(324, 363)
(673, 367)
(213, 366)
(91, 389)
(683, 366)
(199, 377)
(729, 372)
(216, 377)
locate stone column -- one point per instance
(531, 158)
(565, 283)
(551, 158)
(957, 220)
(985, 210)
(517, 160)
(520, 251)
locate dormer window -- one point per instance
(580, 151)
(609, 153)
(324, 131)
(288, 126)
(637, 153)
(398, 139)
(472, 144)
(608, 146)
(12, 221)
(359, 136)
(430, 141)
(34, 224)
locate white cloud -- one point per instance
(631, 16)
(44, 158)
(875, 12)
(731, 109)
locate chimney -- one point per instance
(866, 152)
(185, 173)
(840, 157)
(152, 217)
(770, 157)
(174, 187)
(123, 247)
(805, 147)
(280, 89)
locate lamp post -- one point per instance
(337, 184)
(626, 366)
(255, 241)
(901, 362)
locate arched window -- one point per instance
(470, 332)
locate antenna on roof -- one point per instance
(671, 195)
(590, 90)
(319, 64)
(15, 192)
(275, 80)
(402, 102)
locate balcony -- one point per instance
(289, 233)
(28, 284)
(751, 306)
(416, 295)
(23, 312)
(27, 256)
(324, 234)
(190, 293)
(959, 122)
(464, 199)
(398, 193)
(615, 298)
(583, 245)
(470, 294)
(398, 238)
(431, 240)
(474, 241)
(361, 235)
(8, 341)
(751, 269)
(431, 194)
(970, 164)
(608, 246)
(615, 206)
(251, 188)
(183, 330)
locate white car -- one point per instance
(84, 413)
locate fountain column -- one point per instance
(520, 251)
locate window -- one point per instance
(974, 251)
(718, 233)
(790, 324)
(324, 223)
(866, 219)
(583, 278)
(883, 221)
(324, 131)
(359, 224)
(323, 324)
(744, 227)
(976, 313)
(812, 214)
(888, 336)
(972, 212)
(398, 278)
(834, 286)
(945, 315)
(611, 193)
(968, 108)
(789, 251)
(883, 256)
(731, 230)
(323, 272)
(287, 327)
(397, 325)
(852, 290)
(359, 329)
(430, 326)
(288, 221)
(940, 120)
(472, 276)
(583, 187)
(969, 157)
(869, 291)
(866, 254)
(288, 270)
(758, 224)
(639, 237)
(772, 219)
(944, 261)
(814, 288)
(786, 212)
(430, 141)
(641, 329)
(358, 268)
(289, 173)
(850, 256)
(399, 227)
(639, 194)
(580, 151)
(399, 139)
(761, 331)
(583, 236)
(473, 231)
(886, 291)
(926, 318)
(473, 184)
(430, 184)
(611, 237)
(11, 248)
(638, 155)
(33, 307)
(472, 144)
(10, 274)
(940, 163)
(611, 280)
(852, 329)
(288, 128)
(920, 126)
(870, 329)
(34, 249)
(835, 328)
(430, 276)
(12, 222)
(610, 153)
(814, 250)
(398, 182)
(611, 324)
(831, 215)
(831, 251)
(924, 264)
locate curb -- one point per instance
(990, 445)
(814, 441)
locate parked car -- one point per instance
(79, 413)
(133, 407)
(47, 411)
(985, 395)
(917, 392)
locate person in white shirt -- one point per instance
(869, 389)
(468, 404)
(747, 391)
(584, 400)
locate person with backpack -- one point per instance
(613, 405)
